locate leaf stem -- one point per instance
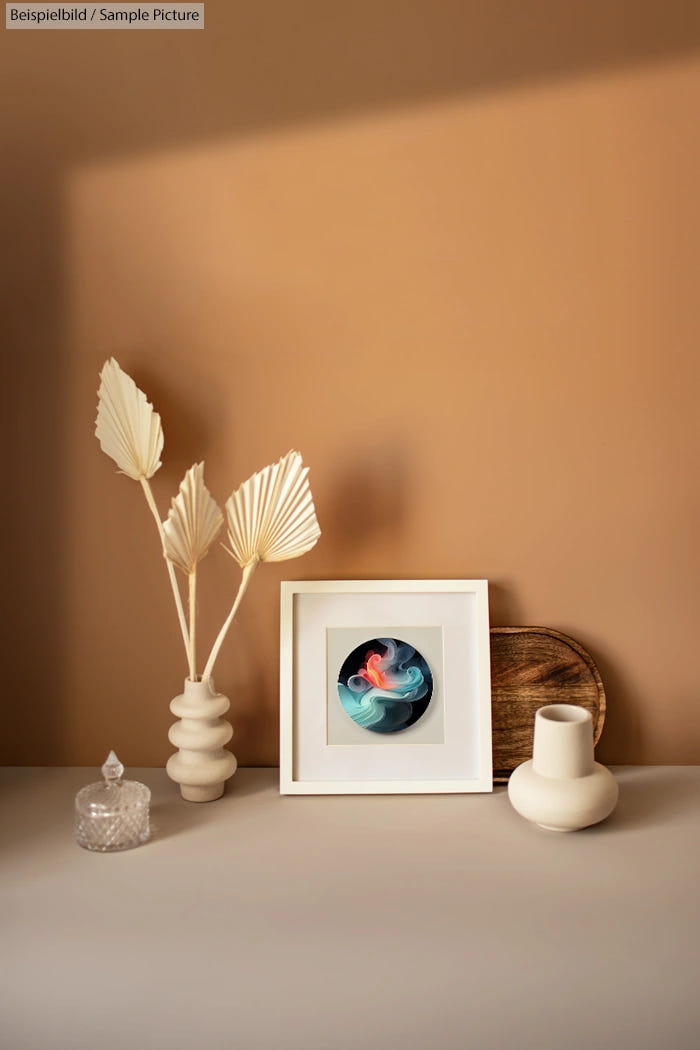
(145, 485)
(192, 599)
(247, 573)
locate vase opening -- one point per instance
(564, 713)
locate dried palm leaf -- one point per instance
(193, 522)
(129, 431)
(271, 517)
(127, 427)
(189, 532)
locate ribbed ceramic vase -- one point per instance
(202, 765)
(562, 788)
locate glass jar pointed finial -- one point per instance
(112, 770)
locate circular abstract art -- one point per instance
(385, 685)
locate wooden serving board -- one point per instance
(532, 667)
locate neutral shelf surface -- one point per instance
(350, 923)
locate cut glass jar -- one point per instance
(113, 814)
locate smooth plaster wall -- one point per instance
(448, 251)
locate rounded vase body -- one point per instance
(562, 788)
(201, 765)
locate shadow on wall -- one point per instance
(272, 63)
(622, 732)
(194, 430)
(83, 96)
(368, 505)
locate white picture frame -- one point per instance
(448, 747)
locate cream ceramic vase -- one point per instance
(562, 788)
(202, 765)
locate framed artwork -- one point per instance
(385, 687)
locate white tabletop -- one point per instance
(345, 923)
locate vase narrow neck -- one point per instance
(200, 688)
(563, 742)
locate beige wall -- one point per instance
(449, 255)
